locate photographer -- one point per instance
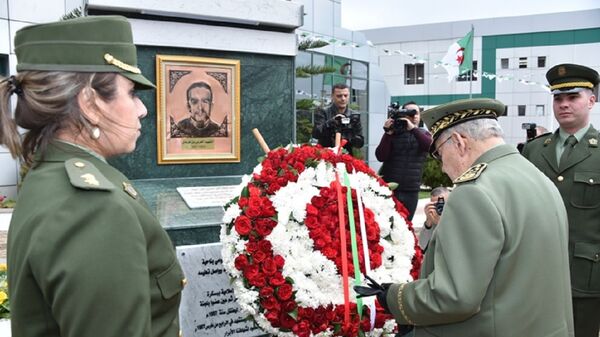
(433, 212)
(338, 118)
(403, 150)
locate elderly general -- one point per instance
(497, 264)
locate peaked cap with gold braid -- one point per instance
(450, 114)
(571, 78)
(88, 44)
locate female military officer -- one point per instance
(86, 256)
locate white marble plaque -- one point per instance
(208, 306)
(207, 196)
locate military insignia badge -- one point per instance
(593, 142)
(90, 179)
(471, 174)
(547, 141)
(128, 188)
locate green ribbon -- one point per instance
(355, 261)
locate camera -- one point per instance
(530, 129)
(396, 113)
(439, 205)
(344, 124)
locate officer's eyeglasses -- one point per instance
(436, 153)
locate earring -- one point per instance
(95, 132)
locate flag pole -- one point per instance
(471, 72)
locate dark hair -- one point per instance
(339, 86)
(47, 104)
(409, 103)
(200, 84)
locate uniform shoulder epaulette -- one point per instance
(471, 174)
(85, 175)
(540, 136)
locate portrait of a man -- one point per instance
(199, 123)
(198, 110)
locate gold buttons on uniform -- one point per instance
(184, 282)
(180, 333)
(560, 178)
(591, 181)
(79, 164)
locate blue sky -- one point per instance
(369, 14)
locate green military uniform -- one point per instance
(497, 264)
(86, 257)
(578, 180)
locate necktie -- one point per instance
(569, 144)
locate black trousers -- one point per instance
(586, 316)
(409, 199)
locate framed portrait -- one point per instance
(198, 109)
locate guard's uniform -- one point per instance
(86, 255)
(577, 177)
(497, 264)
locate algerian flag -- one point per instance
(459, 58)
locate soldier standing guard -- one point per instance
(570, 157)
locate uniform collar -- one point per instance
(496, 152)
(563, 135)
(59, 150)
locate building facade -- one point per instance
(511, 57)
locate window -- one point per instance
(504, 63)
(521, 109)
(539, 110)
(465, 76)
(541, 61)
(522, 62)
(3, 65)
(414, 73)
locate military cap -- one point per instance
(450, 114)
(570, 78)
(87, 44)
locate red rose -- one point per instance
(273, 317)
(287, 321)
(253, 212)
(269, 267)
(270, 303)
(311, 222)
(302, 329)
(266, 292)
(241, 261)
(243, 202)
(265, 246)
(289, 306)
(279, 261)
(257, 280)
(251, 246)
(277, 280)
(259, 256)
(284, 292)
(243, 225)
(250, 271)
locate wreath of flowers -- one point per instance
(281, 243)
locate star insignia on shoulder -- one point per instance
(593, 142)
(471, 174)
(90, 179)
(547, 141)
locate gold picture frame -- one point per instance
(197, 110)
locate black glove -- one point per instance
(331, 123)
(376, 289)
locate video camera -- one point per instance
(396, 113)
(530, 128)
(344, 124)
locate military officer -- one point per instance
(570, 157)
(497, 264)
(86, 256)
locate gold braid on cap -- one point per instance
(120, 64)
(572, 85)
(454, 117)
